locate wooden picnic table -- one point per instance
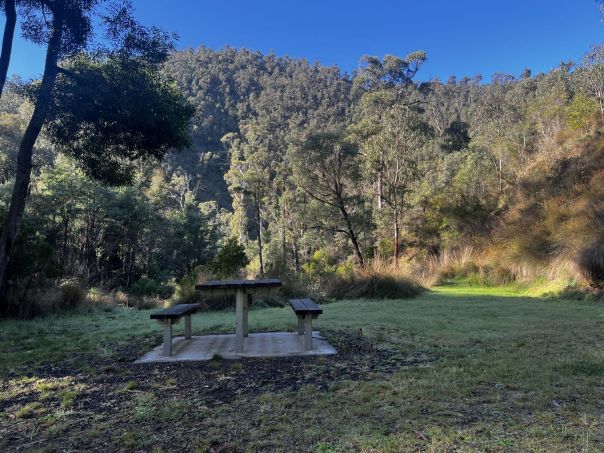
(244, 291)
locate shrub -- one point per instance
(147, 287)
(500, 275)
(35, 303)
(591, 262)
(229, 260)
(300, 286)
(145, 302)
(185, 292)
(71, 296)
(120, 298)
(99, 297)
(449, 264)
(319, 265)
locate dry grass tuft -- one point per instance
(449, 264)
(72, 295)
(379, 280)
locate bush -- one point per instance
(319, 264)
(35, 303)
(229, 260)
(300, 286)
(145, 302)
(71, 296)
(591, 262)
(500, 275)
(185, 292)
(147, 287)
(108, 298)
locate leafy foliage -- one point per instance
(107, 114)
(229, 260)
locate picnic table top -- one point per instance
(239, 284)
(176, 311)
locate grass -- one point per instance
(507, 372)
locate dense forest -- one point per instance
(311, 171)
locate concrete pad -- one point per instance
(273, 344)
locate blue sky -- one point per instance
(462, 37)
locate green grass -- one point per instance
(510, 373)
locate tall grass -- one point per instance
(378, 280)
(449, 264)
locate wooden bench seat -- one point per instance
(171, 315)
(306, 310)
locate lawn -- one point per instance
(458, 368)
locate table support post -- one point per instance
(308, 332)
(246, 306)
(188, 327)
(240, 315)
(167, 337)
(300, 325)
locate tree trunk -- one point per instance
(12, 224)
(7, 40)
(65, 243)
(380, 193)
(351, 233)
(396, 239)
(259, 224)
(296, 256)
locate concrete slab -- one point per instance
(273, 344)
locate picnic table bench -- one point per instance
(171, 315)
(306, 310)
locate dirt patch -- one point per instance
(109, 386)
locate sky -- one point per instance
(462, 37)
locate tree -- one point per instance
(455, 137)
(66, 28)
(592, 72)
(10, 11)
(229, 260)
(249, 179)
(383, 84)
(327, 168)
(395, 151)
(110, 113)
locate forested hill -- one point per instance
(234, 89)
(421, 167)
(314, 172)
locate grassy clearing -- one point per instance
(458, 368)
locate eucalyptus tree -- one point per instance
(381, 84)
(249, 180)
(396, 151)
(73, 98)
(9, 8)
(591, 73)
(327, 168)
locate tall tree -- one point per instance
(66, 28)
(327, 168)
(10, 11)
(395, 151)
(383, 83)
(249, 178)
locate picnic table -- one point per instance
(244, 291)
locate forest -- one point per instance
(315, 173)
